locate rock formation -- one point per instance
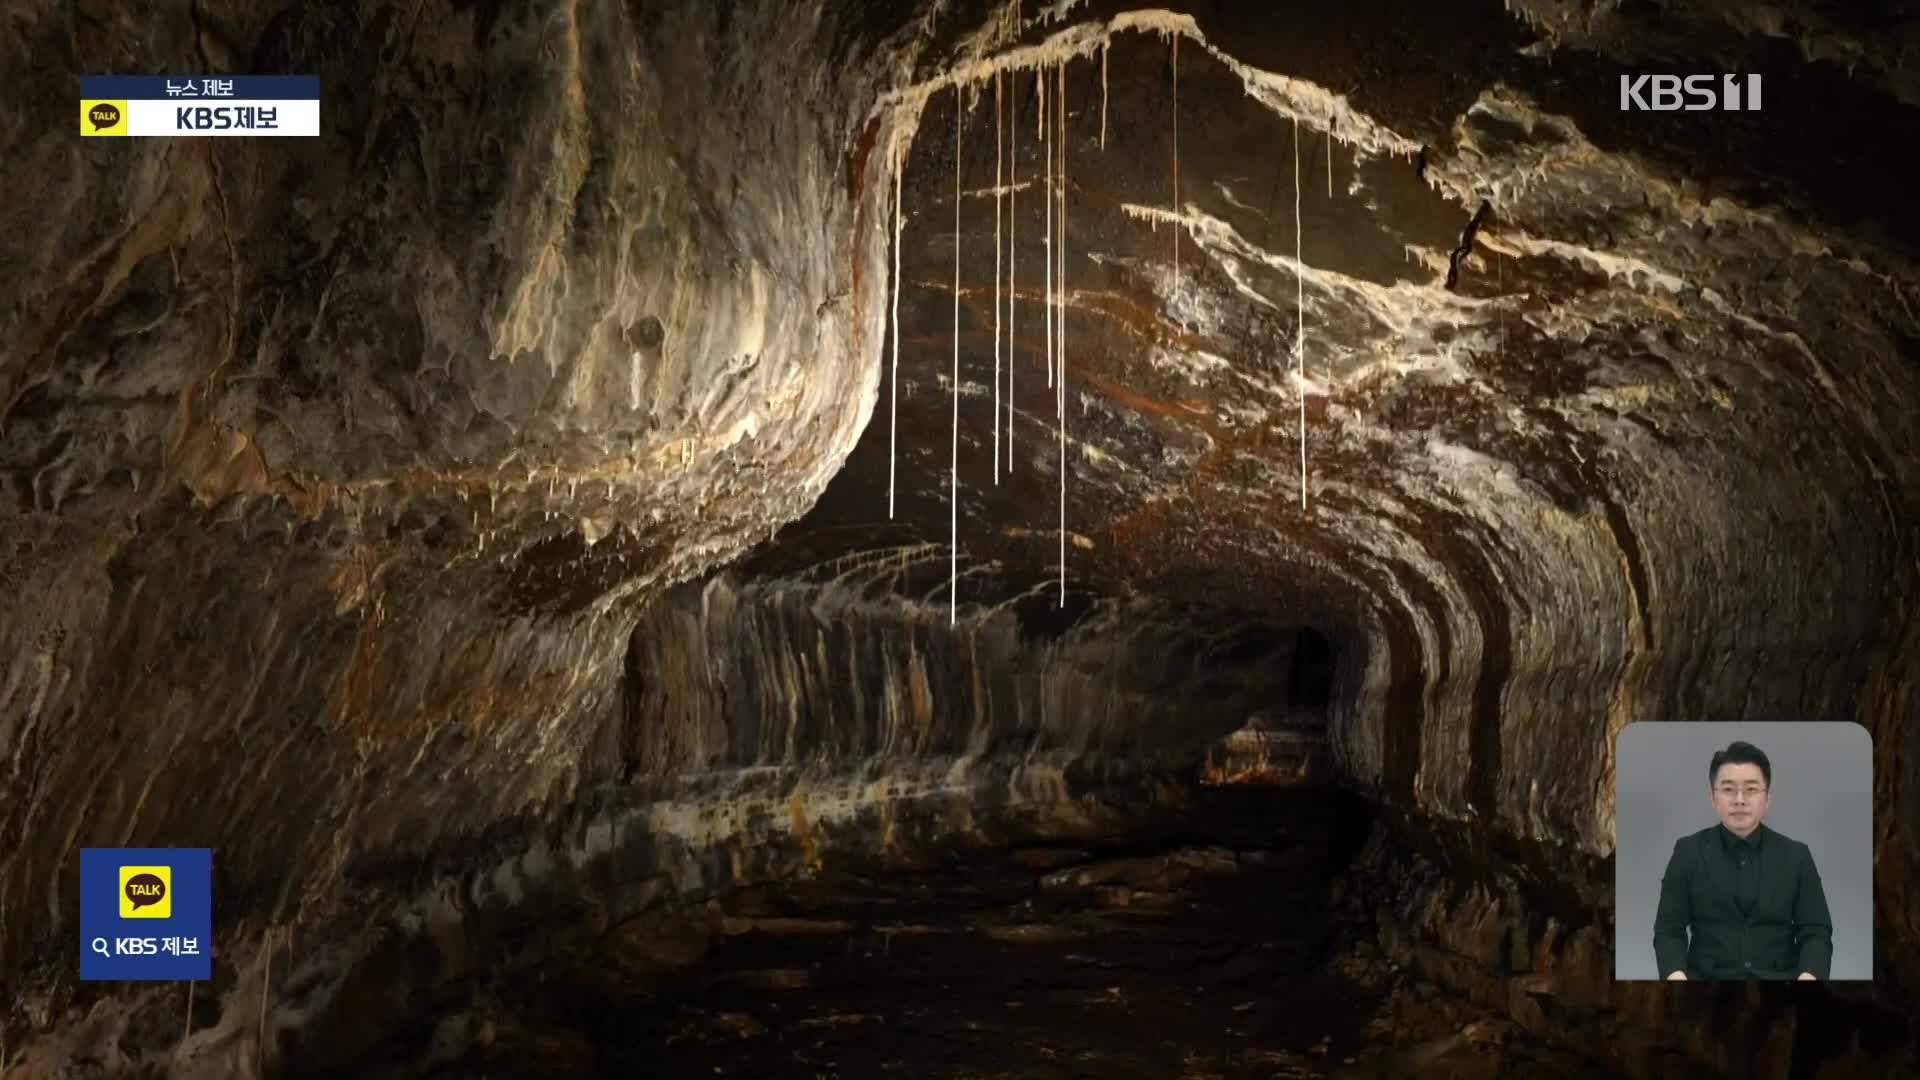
(504, 514)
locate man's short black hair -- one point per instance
(1741, 753)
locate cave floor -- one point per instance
(1208, 954)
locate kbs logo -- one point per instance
(226, 118)
(1693, 93)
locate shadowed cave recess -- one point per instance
(943, 537)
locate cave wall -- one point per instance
(1526, 933)
(305, 440)
(1723, 533)
(728, 674)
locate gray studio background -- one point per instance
(1822, 797)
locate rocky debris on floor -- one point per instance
(1048, 858)
(768, 979)
(1033, 934)
(1160, 873)
(1197, 959)
(718, 1027)
(734, 926)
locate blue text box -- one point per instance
(146, 913)
(200, 87)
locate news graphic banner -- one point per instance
(146, 913)
(166, 105)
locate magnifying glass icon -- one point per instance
(100, 946)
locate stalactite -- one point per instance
(1013, 246)
(1060, 248)
(1061, 339)
(1013, 250)
(1329, 159)
(1300, 309)
(997, 193)
(1040, 101)
(1046, 203)
(953, 508)
(893, 419)
(1106, 46)
(1176, 158)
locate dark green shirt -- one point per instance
(1742, 909)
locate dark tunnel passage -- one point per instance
(959, 538)
(1310, 684)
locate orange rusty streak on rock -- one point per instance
(1134, 535)
(353, 706)
(1194, 413)
(857, 161)
(1143, 320)
(472, 699)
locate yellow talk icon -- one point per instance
(103, 118)
(146, 892)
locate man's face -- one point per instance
(1740, 797)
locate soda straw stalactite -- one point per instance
(1060, 340)
(1176, 160)
(1106, 46)
(893, 418)
(998, 192)
(1013, 250)
(953, 508)
(1046, 148)
(1300, 308)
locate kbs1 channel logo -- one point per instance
(146, 913)
(175, 105)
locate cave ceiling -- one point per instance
(1514, 295)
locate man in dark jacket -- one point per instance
(1750, 896)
